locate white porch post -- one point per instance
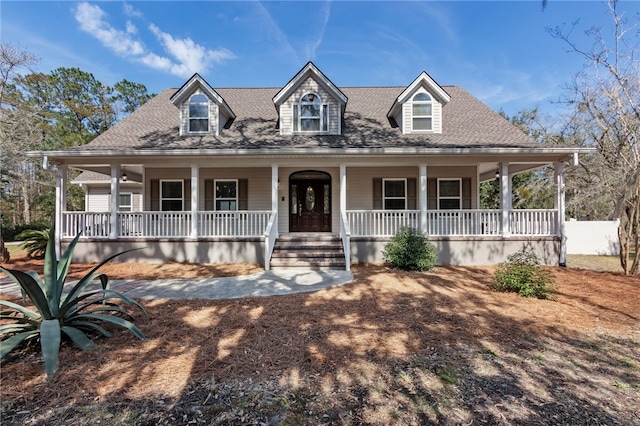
(195, 179)
(115, 195)
(558, 169)
(423, 197)
(61, 206)
(274, 188)
(505, 198)
(343, 190)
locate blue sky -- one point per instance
(499, 51)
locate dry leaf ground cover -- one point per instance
(390, 347)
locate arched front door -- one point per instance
(310, 202)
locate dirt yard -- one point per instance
(390, 347)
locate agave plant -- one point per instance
(79, 315)
(35, 241)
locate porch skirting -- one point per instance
(465, 250)
(163, 250)
(451, 250)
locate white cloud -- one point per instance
(92, 21)
(191, 57)
(183, 56)
(131, 11)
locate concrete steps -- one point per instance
(319, 250)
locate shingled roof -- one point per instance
(467, 123)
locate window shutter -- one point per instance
(155, 195)
(466, 193)
(377, 193)
(186, 206)
(243, 194)
(411, 194)
(432, 194)
(208, 194)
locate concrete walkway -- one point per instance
(266, 283)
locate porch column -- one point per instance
(559, 204)
(274, 188)
(505, 198)
(343, 190)
(423, 197)
(61, 206)
(195, 179)
(115, 194)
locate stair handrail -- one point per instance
(270, 237)
(345, 236)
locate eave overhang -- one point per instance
(195, 82)
(425, 81)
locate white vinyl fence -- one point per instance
(593, 237)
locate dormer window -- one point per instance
(198, 114)
(310, 114)
(422, 112)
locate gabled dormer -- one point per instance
(202, 110)
(310, 104)
(418, 109)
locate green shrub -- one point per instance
(10, 232)
(410, 250)
(78, 315)
(523, 274)
(35, 241)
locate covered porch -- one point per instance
(196, 232)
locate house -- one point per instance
(308, 173)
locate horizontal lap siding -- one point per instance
(360, 187)
(99, 198)
(259, 183)
(310, 85)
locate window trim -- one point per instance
(130, 205)
(414, 116)
(162, 198)
(323, 116)
(385, 198)
(459, 197)
(208, 117)
(215, 195)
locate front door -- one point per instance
(310, 209)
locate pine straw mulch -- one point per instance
(390, 347)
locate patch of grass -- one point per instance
(447, 375)
(594, 263)
(488, 351)
(628, 362)
(15, 249)
(538, 358)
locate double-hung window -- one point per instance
(449, 194)
(199, 114)
(310, 114)
(394, 194)
(226, 194)
(171, 195)
(422, 112)
(125, 202)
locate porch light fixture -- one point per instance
(497, 174)
(124, 174)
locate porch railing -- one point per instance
(381, 223)
(345, 235)
(166, 224)
(480, 222)
(534, 222)
(270, 237)
(233, 223)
